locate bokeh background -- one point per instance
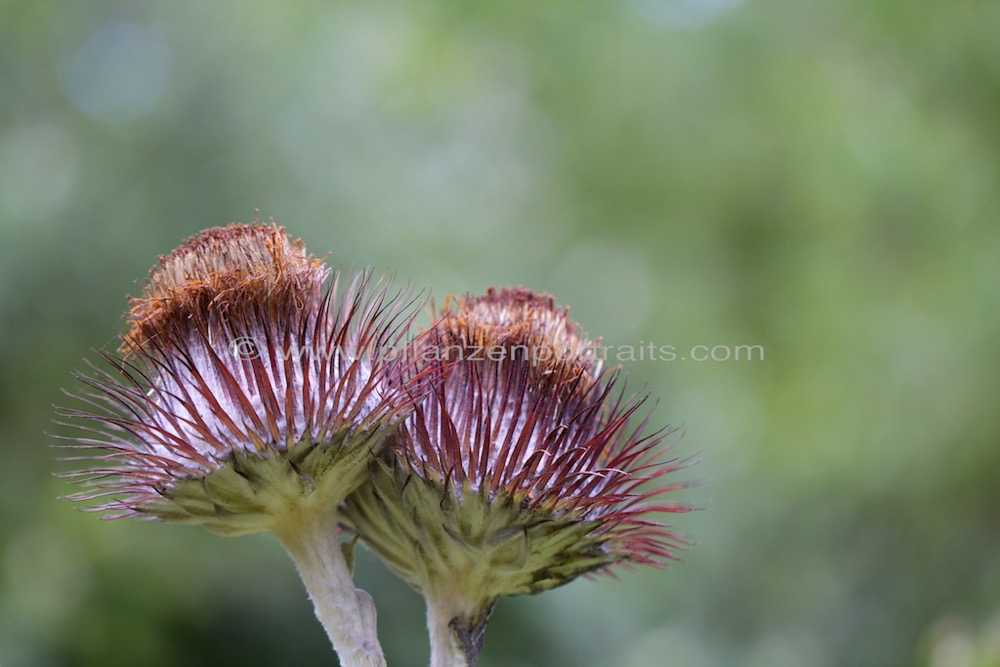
(819, 178)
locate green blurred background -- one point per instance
(820, 178)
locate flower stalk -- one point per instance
(456, 636)
(347, 614)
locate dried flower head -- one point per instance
(522, 470)
(247, 395)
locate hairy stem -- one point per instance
(456, 634)
(446, 650)
(347, 614)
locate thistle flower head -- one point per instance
(521, 471)
(246, 394)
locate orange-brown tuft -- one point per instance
(224, 268)
(520, 324)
